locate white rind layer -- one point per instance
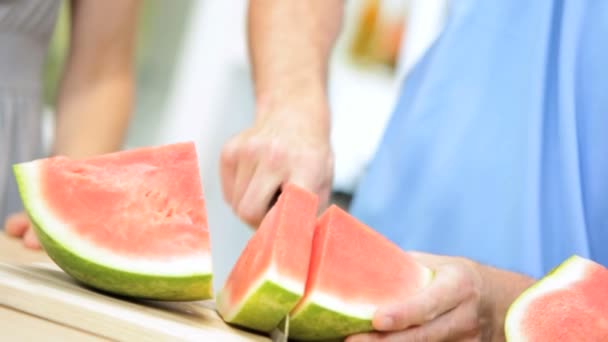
(351, 308)
(357, 310)
(271, 275)
(571, 272)
(29, 173)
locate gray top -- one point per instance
(26, 27)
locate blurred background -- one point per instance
(193, 84)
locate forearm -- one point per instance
(290, 44)
(97, 88)
(93, 115)
(501, 288)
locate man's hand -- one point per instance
(277, 149)
(289, 44)
(464, 302)
(19, 225)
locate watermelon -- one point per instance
(269, 276)
(568, 304)
(131, 223)
(353, 271)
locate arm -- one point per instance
(97, 88)
(290, 44)
(464, 301)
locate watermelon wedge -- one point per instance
(353, 271)
(131, 223)
(568, 304)
(269, 276)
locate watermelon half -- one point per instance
(131, 223)
(269, 276)
(569, 304)
(353, 271)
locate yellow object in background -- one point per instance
(378, 34)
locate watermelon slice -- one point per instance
(569, 304)
(353, 271)
(269, 276)
(131, 223)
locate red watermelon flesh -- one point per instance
(131, 222)
(569, 304)
(353, 271)
(144, 203)
(270, 274)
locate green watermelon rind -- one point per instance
(513, 315)
(264, 308)
(316, 322)
(109, 279)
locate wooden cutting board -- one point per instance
(45, 291)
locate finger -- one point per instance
(263, 187)
(228, 164)
(17, 224)
(366, 337)
(460, 324)
(30, 240)
(450, 287)
(326, 185)
(307, 180)
(324, 196)
(244, 171)
(430, 260)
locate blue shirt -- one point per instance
(498, 147)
